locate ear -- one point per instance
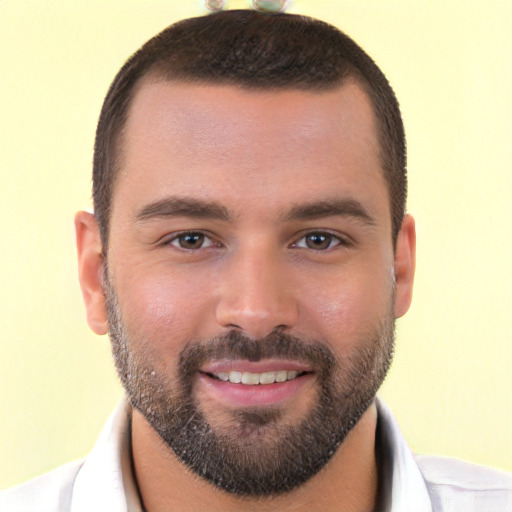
(405, 264)
(90, 270)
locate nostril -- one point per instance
(256, 314)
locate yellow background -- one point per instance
(450, 64)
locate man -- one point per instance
(248, 255)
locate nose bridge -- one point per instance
(255, 296)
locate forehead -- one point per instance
(225, 141)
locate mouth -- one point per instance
(257, 379)
(246, 384)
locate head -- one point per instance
(249, 188)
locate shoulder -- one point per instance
(50, 492)
(457, 485)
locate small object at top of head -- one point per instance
(214, 5)
(264, 6)
(270, 6)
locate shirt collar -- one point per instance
(404, 488)
(106, 480)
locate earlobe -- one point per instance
(90, 270)
(405, 264)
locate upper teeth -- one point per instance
(256, 378)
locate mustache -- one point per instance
(235, 345)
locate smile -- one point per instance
(254, 379)
(254, 384)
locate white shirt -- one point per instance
(104, 481)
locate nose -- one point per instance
(256, 295)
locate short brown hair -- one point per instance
(252, 50)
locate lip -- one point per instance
(242, 395)
(267, 365)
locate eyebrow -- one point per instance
(183, 207)
(330, 208)
(200, 209)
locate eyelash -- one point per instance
(176, 238)
(339, 241)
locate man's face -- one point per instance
(250, 240)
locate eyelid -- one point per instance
(168, 239)
(342, 240)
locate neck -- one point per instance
(348, 482)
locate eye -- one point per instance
(191, 241)
(318, 241)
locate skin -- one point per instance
(259, 155)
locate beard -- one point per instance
(256, 452)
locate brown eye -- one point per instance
(191, 241)
(318, 241)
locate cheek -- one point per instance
(349, 304)
(162, 313)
